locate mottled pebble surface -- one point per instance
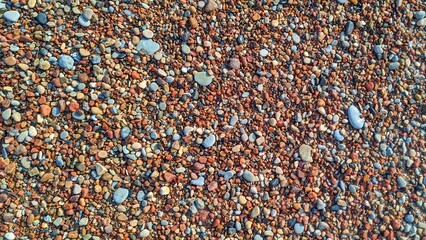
(209, 119)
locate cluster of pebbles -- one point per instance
(212, 119)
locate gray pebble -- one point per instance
(125, 132)
(299, 228)
(349, 28)
(401, 182)
(120, 195)
(249, 176)
(209, 141)
(198, 182)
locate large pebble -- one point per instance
(338, 136)
(6, 114)
(299, 228)
(125, 132)
(203, 78)
(393, 66)
(9, 236)
(305, 153)
(66, 61)
(83, 21)
(12, 16)
(209, 141)
(401, 182)
(354, 117)
(249, 176)
(349, 28)
(120, 195)
(198, 182)
(147, 46)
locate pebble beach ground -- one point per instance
(163, 119)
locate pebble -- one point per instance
(83, 222)
(264, 53)
(420, 15)
(203, 78)
(6, 114)
(87, 13)
(234, 63)
(198, 182)
(401, 182)
(83, 21)
(9, 61)
(349, 28)
(9, 236)
(185, 49)
(12, 16)
(211, 6)
(209, 141)
(32, 131)
(120, 195)
(66, 62)
(147, 33)
(42, 18)
(305, 153)
(354, 117)
(338, 135)
(144, 233)
(296, 38)
(147, 46)
(393, 65)
(299, 228)
(421, 22)
(125, 132)
(249, 176)
(164, 191)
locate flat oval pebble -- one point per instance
(354, 117)
(120, 195)
(209, 141)
(203, 78)
(305, 153)
(147, 33)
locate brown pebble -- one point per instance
(10, 61)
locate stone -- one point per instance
(185, 49)
(193, 23)
(354, 117)
(66, 62)
(198, 182)
(203, 78)
(147, 46)
(83, 222)
(10, 61)
(31, 3)
(320, 204)
(296, 38)
(338, 135)
(83, 21)
(100, 170)
(87, 13)
(42, 18)
(263, 53)
(421, 22)
(305, 153)
(6, 114)
(9, 236)
(393, 66)
(144, 233)
(120, 195)
(299, 228)
(420, 15)
(255, 212)
(147, 33)
(249, 176)
(77, 189)
(125, 132)
(209, 141)
(12, 15)
(234, 63)
(349, 28)
(401, 182)
(32, 131)
(164, 191)
(211, 6)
